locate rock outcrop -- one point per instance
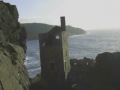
(13, 74)
(14, 33)
(103, 73)
(107, 71)
(80, 73)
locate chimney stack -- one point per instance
(63, 26)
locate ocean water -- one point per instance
(80, 46)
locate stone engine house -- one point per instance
(54, 54)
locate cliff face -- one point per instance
(10, 26)
(13, 74)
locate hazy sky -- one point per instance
(86, 14)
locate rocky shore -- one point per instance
(88, 74)
(99, 74)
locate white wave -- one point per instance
(74, 36)
(33, 61)
(35, 69)
(29, 58)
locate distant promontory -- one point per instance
(33, 29)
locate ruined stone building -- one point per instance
(54, 54)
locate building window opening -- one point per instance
(43, 44)
(57, 37)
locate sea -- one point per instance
(85, 45)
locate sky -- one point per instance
(86, 14)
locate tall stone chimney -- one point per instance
(63, 26)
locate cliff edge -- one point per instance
(13, 74)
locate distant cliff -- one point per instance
(33, 29)
(13, 74)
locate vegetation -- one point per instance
(33, 29)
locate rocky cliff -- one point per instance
(13, 74)
(103, 73)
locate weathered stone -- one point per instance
(55, 63)
(12, 30)
(108, 71)
(13, 74)
(2, 38)
(36, 83)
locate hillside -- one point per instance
(33, 29)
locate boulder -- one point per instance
(108, 71)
